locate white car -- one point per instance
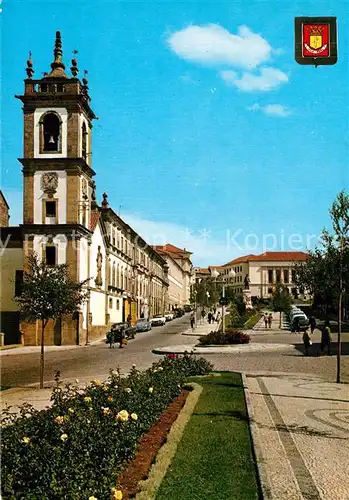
(169, 316)
(158, 320)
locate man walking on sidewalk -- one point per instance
(192, 322)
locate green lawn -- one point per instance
(214, 459)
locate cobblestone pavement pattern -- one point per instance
(300, 429)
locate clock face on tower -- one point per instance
(49, 181)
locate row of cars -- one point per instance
(144, 325)
(298, 319)
(162, 319)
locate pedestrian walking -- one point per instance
(266, 320)
(218, 317)
(209, 317)
(326, 338)
(120, 337)
(312, 323)
(270, 319)
(306, 341)
(111, 338)
(203, 314)
(192, 322)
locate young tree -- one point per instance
(340, 221)
(281, 301)
(47, 293)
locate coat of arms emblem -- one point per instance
(315, 40)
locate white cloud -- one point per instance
(267, 79)
(205, 249)
(213, 44)
(271, 109)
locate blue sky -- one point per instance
(207, 128)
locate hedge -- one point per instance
(75, 449)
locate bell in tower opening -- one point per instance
(51, 132)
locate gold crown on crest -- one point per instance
(316, 30)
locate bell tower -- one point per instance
(58, 185)
(58, 176)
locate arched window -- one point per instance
(51, 132)
(84, 140)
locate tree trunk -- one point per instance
(340, 313)
(280, 323)
(42, 354)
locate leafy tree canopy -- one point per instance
(48, 292)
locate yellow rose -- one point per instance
(128, 390)
(71, 410)
(105, 410)
(87, 399)
(160, 369)
(64, 437)
(134, 416)
(92, 498)
(26, 440)
(59, 420)
(97, 382)
(117, 494)
(150, 390)
(122, 416)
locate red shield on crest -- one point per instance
(316, 39)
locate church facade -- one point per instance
(63, 223)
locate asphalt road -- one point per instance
(93, 361)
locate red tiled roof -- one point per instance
(202, 270)
(171, 249)
(94, 220)
(216, 267)
(270, 256)
(283, 256)
(239, 260)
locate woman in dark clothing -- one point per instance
(312, 323)
(326, 338)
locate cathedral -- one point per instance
(63, 222)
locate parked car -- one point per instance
(188, 308)
(299, 322)
(142, 325)
(129, 331)
(178, 312)
(169, 316)
(158, 320)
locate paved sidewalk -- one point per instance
(259, 327)
(300, 431)
(14, 350)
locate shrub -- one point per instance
(226, 338)
(76, 448)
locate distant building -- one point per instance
(4, 211)
(201, 273)
(264, 272)
(180, 274)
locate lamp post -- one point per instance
(215, 274)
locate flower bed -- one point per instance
(76, 448)
(227, 338)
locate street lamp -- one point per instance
(215, 274)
